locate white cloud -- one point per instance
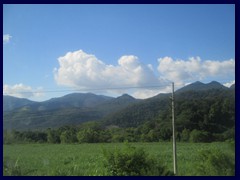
(193, 69)
(81, 70)
(6, 38)
(22, 91)
(147, 93)
(229, 84)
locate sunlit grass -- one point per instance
(87, 159)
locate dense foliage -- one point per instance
(215, 162)
(93, 133)
(132, 161)
(200, 116)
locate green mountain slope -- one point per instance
(208, 107)
(74, 100)
(140, 112)
(208, 110)
(10, 103)
(71, 109)
(199, 86)
(29, 120)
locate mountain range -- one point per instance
(10, 102)
(76, 108)
(199, 86)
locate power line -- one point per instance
(166, 84)
(92, 89)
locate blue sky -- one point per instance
(69, 47)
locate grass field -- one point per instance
(87, 159)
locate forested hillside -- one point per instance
(194, 110)
(11, 103)
(204, 115)
(71, 109)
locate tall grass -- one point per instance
(88, 159)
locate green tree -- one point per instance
(53, 136)
(68, 137)
(200, 136)
(88, 136)
(185, 135)
(165, 134)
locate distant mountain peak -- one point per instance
(11, 102)
(126, 96)
(214, 82)
(215, 85)
(197, 86)
(197, 82)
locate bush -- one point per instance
(215, 163)
(229, 134)
(200, 136)
(11, 167)
(185, 135)
(132, 161)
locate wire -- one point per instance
(92, 89)
(166, 84)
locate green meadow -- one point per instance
(88, 159)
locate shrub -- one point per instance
(199, 136)
(11, 168)
(132, 161)
(215, 163)
(185, 135)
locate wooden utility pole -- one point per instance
(173, 134)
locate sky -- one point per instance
(53, 50)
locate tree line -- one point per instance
(200, 117)
(94, 133)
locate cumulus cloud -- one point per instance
(81, 70)
(146, 93)
(229, 84)
(193, 69)
(6, 38)
(84, 71)
(22, 91)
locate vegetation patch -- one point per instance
(88, 159)
(132, 161)
(214, 162)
